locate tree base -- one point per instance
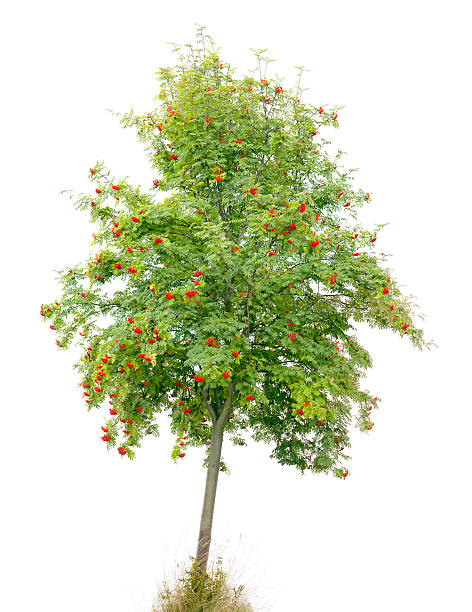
(198, 591)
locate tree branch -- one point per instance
(208, 405)
(227, 407)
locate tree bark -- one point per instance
(206, 521)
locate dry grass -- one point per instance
(196, 592)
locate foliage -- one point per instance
(242, 264)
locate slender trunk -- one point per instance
(206, 521)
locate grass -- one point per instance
(193, 591)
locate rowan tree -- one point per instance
(227, 293)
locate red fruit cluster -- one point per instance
(198, 379)
(190, 293)
(302, 207)
(249, 397)
(253, 191)
(155, 182)
(122, 450)
(225, 374)
(135, 219)
(271, 253)
(158, 240)
(169, 296)
(118, 266)
(235, 353)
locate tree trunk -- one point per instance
(206, 521)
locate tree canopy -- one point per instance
(240, 273)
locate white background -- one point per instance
(83, 529)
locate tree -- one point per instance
(231, 302)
